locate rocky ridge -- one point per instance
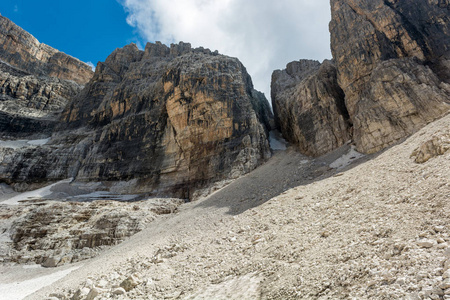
(36, 83)
(164, 121)
(24, 52)
(393, 72)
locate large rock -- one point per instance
(169, 121)
(36, 83)
(393, 66)
(309, 107)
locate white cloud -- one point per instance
(90, 64)
(264, 34)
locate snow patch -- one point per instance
(36, 194)
(276, 141)
(19, 290)
(104, 195)
(39, 142)
(346, 159)
(16, 144)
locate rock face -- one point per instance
(393, 70)
(23, 51)
(309, 107)
(393, 67)
(168, 121)
(30, 104)
(36, 83)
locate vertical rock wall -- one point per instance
(167, 121)
(393, 69)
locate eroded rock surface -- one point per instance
(23, 51)
(392, 61)
(36, 83)
(168, 121)
(30, 105)
(309, 107)
(56, 233)
(393, 66)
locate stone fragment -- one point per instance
(413, 296)
(442, 246)
(92, 294)
(51, 262)
(119, 291)
(81, 293)
(130, 283)
(102, 283)
(425, 243)
(437, 145)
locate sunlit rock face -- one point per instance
(36, 83)
(393, 62)
(168, 121)
(21, 50)
(392, 76)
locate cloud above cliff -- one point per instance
(264, 34)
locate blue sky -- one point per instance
(86, 29)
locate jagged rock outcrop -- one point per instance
(309, 107)
(393, 66)
(36, 83)
(23, 51)
(168, 121)
(31, 105)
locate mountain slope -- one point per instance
(375, 231)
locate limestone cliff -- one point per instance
(309, 107)
(23, 51)
(393, 67)
(36, 83)
(167, 121)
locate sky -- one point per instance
(264, 34)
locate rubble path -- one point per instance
(378, 230)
